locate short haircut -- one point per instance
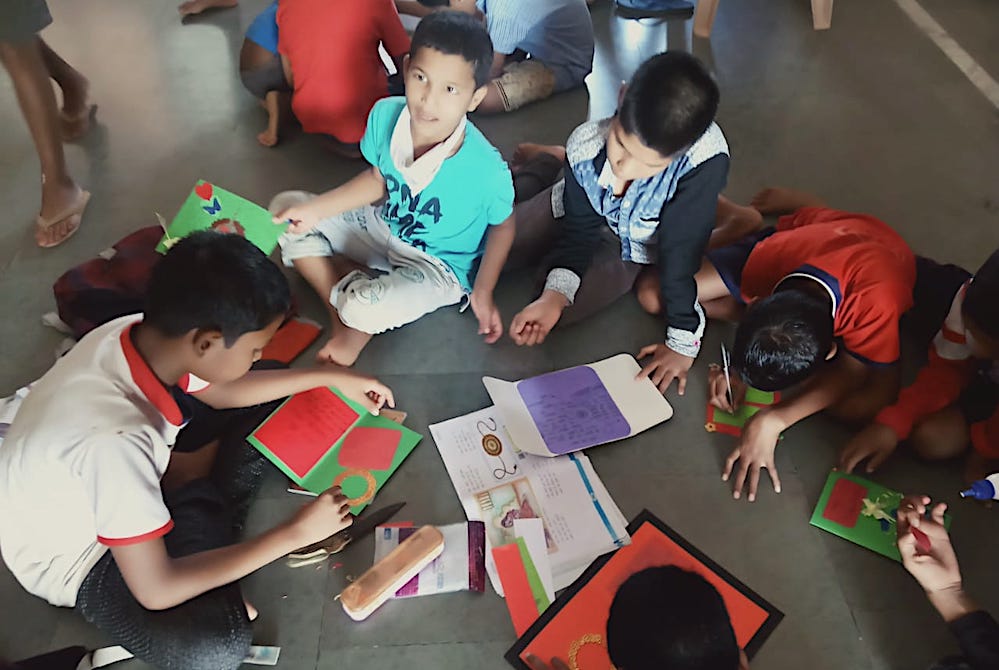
(782, 340)
(456, 34)
(981, 301)
(670, 102)
(667, 618)
(215, 281)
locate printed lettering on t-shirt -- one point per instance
(410, 214)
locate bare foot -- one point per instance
(344, 347)
(782, 201)
(57, 218)
(192, 7)
(525, 151)
(77, 110)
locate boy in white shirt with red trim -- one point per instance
(101, 510)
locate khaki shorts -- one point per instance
(524, 82)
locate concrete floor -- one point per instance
(870, 115)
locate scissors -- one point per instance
(334, 544)
(726, 362)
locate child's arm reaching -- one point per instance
(363, 189)
(260, 386)
(159, 581)
(498, 243)
(760, 434)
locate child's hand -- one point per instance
(533, 323)
(490, 321)
(718, 389)
(300, 219)
(329, 513)
(876, 442)
(366, 390)
(755, 451)
(535, 663)
(666, 365)
(931, 558)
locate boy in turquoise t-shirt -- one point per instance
(443, 224)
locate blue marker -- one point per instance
(984, 489)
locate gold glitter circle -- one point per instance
(492, 445)
(368, 478)
(576, 645)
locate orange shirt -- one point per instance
(332, 47)
(867, 268)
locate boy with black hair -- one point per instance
(666, 618)
(445, 225)
(825, 290)
(954, 400)
(540, 47)
(639, 203)
(122, 480)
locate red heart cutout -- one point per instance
(369, 448)
(204, 190)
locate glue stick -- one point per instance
(984, 489)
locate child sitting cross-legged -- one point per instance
(954, 400)
(125, 471)
(444, 224)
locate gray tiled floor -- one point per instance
(870, 115)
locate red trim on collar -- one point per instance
(148, 382)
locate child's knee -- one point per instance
(648, 293)
(940, 436)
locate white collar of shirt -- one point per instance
(418, 173)
(606, 178)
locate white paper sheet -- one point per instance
(577, 413)
(496, 484)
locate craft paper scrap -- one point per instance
(498, 484)
(574, 627)
(321, 439)
(210, 207)
(862, 512)
(291, 339)
(525, 595)
(462, 566)
(532, 531)
(718, 420)
(567, 410)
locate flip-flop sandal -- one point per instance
(75, 127)
(73, 210)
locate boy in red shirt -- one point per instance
(953, 401)
(825, 290)
(329, 49)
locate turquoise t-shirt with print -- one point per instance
(449, 218)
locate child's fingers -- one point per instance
(681, 382)
(729, 463)
(938, 513)
(774, 477)
(740, 478)
(647, 351)
(754, 482)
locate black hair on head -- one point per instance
(670, 102)
(666, 618)
(215, 281)
(456, 34)
(782, 339)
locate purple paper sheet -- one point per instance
(573, 409)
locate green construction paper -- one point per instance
(257, 222)
(533, 578)
(743, 414)
(758, 397)
(869, 532)
(320, 477)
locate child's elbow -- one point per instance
(155, 601)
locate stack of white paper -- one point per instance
(498, 484)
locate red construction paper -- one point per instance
(290, 341)
(845, 503)
(586, 613)
(516, 588)
(305, 428)
(923, 543)
(369, 448)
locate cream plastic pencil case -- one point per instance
(391, 573)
